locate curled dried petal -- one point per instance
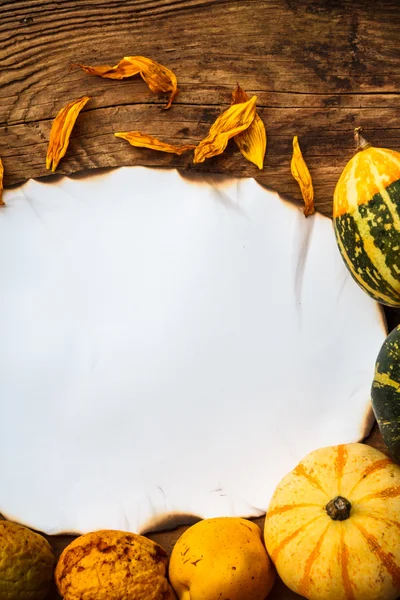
(2, 203)
(235, 119)
(302, 175)
(142, 140)
(61, 130)
(252, 142)
(158, 78)
(239, 95)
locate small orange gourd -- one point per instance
(333, 525)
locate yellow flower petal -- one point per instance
(252, 142)
(2, 203)
(158, 78)
(302, 175)
(142, 140)
(61, 130)
(234, 120)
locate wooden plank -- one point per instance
(318, 69)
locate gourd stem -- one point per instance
(338, 509)
(361, 143)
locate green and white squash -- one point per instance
(366, 216)
(386, 392)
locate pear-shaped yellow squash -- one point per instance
(221, 558)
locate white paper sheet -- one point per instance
(169, 347)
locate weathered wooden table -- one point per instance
(319, 69)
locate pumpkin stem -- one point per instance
(338, 509)
(361, 143)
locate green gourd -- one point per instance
(386, 392)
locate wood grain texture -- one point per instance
(319, 68)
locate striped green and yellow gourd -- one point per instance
(366, 216)
(385, 392)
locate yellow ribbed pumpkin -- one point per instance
(333, 525)
(366, 218)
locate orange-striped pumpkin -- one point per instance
(366, 217)
(333, 525)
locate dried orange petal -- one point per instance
(239, 95)
(142, 140)
(302, 175)
(2, 203)
(157, 77)
(252, 142)
(61, 130)
(235, 119)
